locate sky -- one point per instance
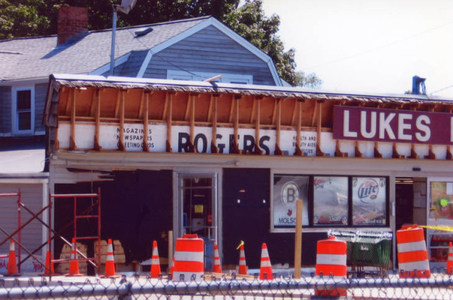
(370, 46)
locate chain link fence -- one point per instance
(439, 286)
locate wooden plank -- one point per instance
(142, 104)
(211, 100)
(293, 117)
(72, 144)
(214, 149)
(169, 120)
(298, 151)
(274, 112)
(318, 129)
(313, 117)
(252, 113)
(278, 150)
(93, 103)
(145, 100)
(230, 120)
(298, 240)
(257, 125)
(192, 124)
(235, 147)
(118, 104)
(164, 112)
(122, 95)
(97, 145)
(186, 115)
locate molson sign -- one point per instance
(387, 125)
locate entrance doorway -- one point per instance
(404, 202)
(197, 210)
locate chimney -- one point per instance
(72, 23)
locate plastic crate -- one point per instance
(366, 248)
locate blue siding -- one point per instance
(133, 64)
(209, 50)
(5, 109)
(40, 100)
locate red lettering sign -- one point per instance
(387, 125)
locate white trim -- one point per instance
(200, 76)
(23, 181)
(14, 120)
(31, 81)
(145, 63)
(224, 29)
(118, 61)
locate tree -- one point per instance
(23, 18)
(39, 17)
(310, 80)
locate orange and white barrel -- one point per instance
(412, 254)
(189, 258)
(450, 259)
(331, 259)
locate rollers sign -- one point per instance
(387, 125)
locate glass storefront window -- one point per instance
(369, 196)
(441, 201)
(330, 201)
(287, 190)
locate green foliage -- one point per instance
(23, 18)
(310, 80)
(19, 18)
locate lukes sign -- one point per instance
(397, 126)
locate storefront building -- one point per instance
(228, 162)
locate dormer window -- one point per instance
(23, 110)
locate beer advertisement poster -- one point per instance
(330, 201)
(369, 200)
(287, 190)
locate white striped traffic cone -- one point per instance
(155, 262)
(265, 265)
(217, 264)
(242, 263)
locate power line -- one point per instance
(442, 89)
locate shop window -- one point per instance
(287, 190)
(369, 203)
(329, 201)
(23, 110)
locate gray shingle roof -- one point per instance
(38, 57)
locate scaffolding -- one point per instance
(93, 211)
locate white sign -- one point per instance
(135, 137)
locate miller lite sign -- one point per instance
(369, 201)
(368, 191)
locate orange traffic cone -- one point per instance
(217, 264)
(242, 263)
(49, 269)
(155, 262)
(12, 262)
(74, 263)
(265, 265)
(450, 260)
(110, 261)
